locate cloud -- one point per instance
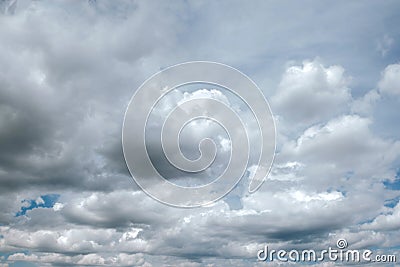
(72, 68)
(390, 81)
(386, 222)
(60, 109)
(311, 93)
(347, 143)
(365, 105)
(385, 44)
(121, 259)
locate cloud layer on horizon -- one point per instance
(70, 68)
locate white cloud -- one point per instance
(325, 196)
(39, 201)
(204, 93)
(344, 143)
(91, 259)
(71, 69)
(120, 259)
(364, 105)
(58, 206)
(390, 81)
(310, 93)
(287, 171)
(22, 256)
(386, 222)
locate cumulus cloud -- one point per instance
(390, 81)
(347, 143)
(386, 222)
(365, 105)
(311, 93)
(71, 70)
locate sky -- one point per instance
(331, 74)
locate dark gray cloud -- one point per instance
(68, 70)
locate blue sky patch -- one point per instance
(392, 185)
(391, 203)
(44, 201)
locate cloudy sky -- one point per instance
(331, 73)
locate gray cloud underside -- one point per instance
(68, 70)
